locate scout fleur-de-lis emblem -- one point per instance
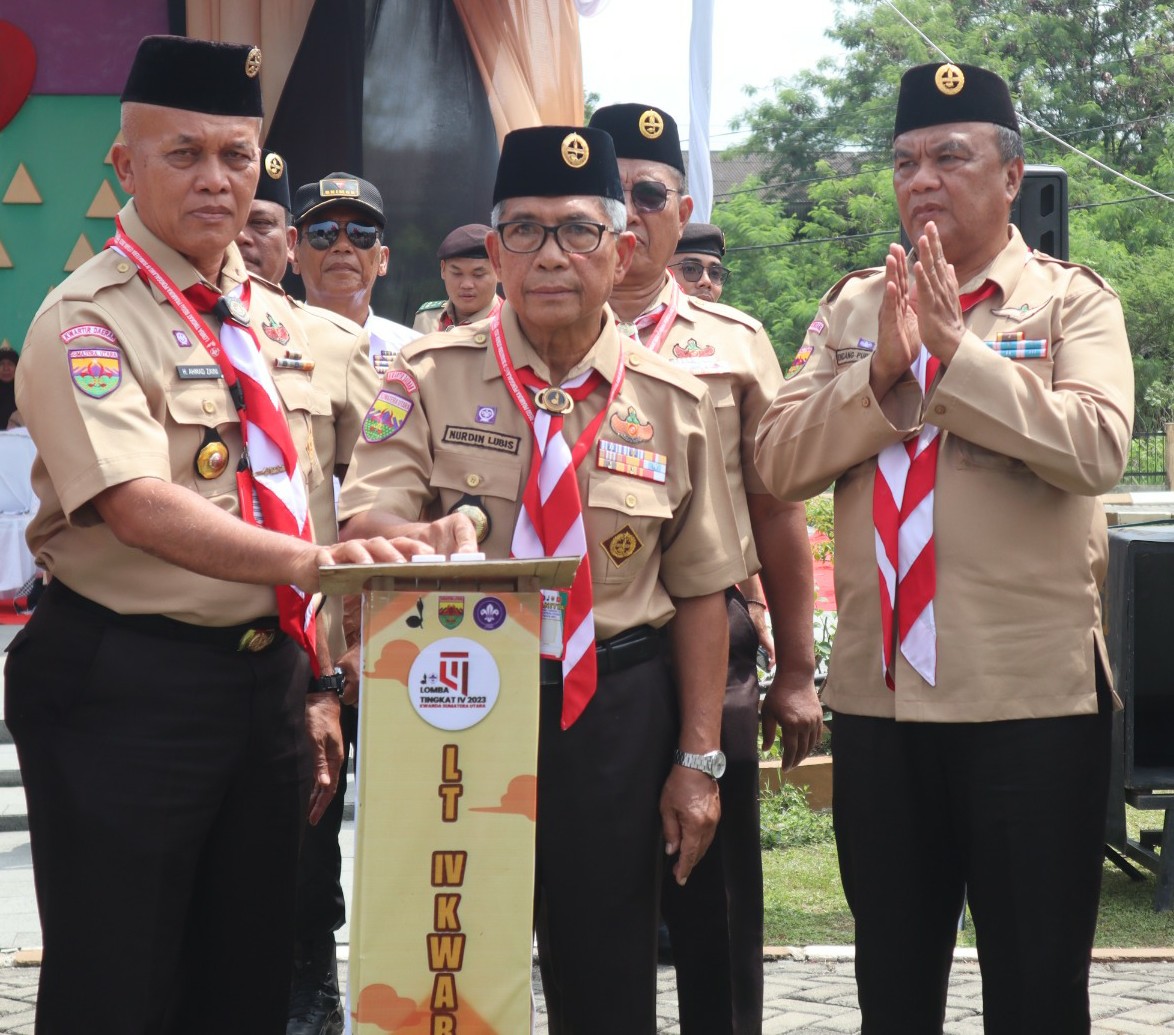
(949, 79)
(651, 124)
(253, 62)
(575, 151)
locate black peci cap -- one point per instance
(704, 238)
(196, 75)
(938, 93)
(555, 162)
(273, 184)
(339, 188)
(642, 131)
(465, 242)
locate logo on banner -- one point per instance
(489, 613)
(453, 683)
(451, 611)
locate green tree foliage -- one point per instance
(1099, 74)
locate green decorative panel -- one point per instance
(62, 143)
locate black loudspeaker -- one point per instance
(1137, 599)
(1041, 209)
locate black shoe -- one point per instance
(314, 1005)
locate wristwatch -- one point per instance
(331, 684)
(712, 763)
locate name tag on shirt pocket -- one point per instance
(1016, 345)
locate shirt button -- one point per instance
(866, 402)
(472, 480)
(630, 500)
(123, 267)
(209, 406)
(939, 409)
(633, 359)
(479, 338)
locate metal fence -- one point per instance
(1146, 465)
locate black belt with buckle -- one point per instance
(254, 637)
(631, 647)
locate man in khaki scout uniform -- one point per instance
(697, 262)
(342, 368)
(968, 681)
(161, 694)
(715, 922)
(340, 254)
(660, 540)
(468, 278)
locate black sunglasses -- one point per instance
(691, 270)
(650, 195)
(322, 235)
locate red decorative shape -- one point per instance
(18, 69)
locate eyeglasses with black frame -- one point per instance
(691, 270)
(524, 236)
(650, 195)
(321, 236)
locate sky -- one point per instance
(638, 51)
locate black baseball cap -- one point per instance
(339, 188)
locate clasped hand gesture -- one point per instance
(925, 311)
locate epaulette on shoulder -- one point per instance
(341, 322)
(650, 364)
(438, 304)
(727, 312)
(839, 285)
(103, 270)
(464, 337)
(1044, 257)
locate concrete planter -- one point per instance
(813, 773)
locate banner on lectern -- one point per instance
(441, 926)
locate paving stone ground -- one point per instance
(813, 995)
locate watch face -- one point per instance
(717, 764)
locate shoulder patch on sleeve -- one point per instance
(432, 305)
(88, 330)
(839, 285)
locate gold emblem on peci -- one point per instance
(253, 62)
(651, 124)
(274, 166)
(949, 79)
(575, 151)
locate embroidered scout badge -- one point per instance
(275, 331)
(800, 361)
(622, 546)
(95, 372)
(691, 350)
(630, 427)
(387, 415)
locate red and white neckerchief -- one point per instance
(902, 513)
(660, 320)
(447, 322)
(550, 522)
(271, 488)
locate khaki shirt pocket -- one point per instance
(194, 409)
(304, 402)
(624, 523)
(495, 480)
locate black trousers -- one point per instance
(599, 851)
(1011, 815)
(321, 907)
(167, 784)
(715, 920)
